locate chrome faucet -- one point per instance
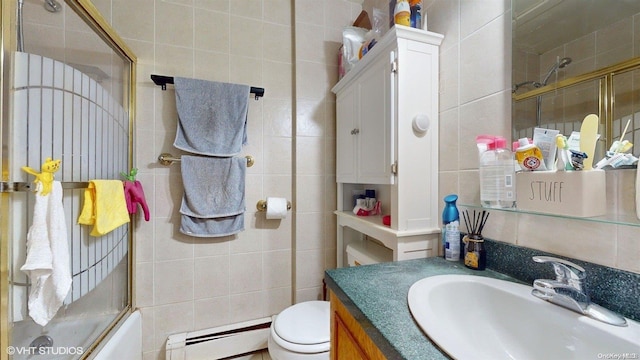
(569, 290)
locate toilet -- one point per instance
(301, 332)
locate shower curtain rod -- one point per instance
(162, 81)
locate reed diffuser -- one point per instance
(475, 256)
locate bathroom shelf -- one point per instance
(375, 222)
(616, 219)
(405, 244)
(620, 184)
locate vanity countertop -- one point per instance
(376, 296)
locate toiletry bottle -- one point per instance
(402, 13)
(416, 13)
(451, 228)
(529, 156)
(497, 176)
(564, 155)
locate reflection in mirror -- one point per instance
(557, 42)
(626, 109)
(561, 109)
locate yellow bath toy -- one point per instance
(49, 167)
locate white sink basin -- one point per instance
(473, 317)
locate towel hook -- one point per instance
(167, 159)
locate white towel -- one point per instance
(47, 263)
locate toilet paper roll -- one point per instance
(276, 208)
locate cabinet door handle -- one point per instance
(355, 131)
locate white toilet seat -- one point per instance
(303, 328)
(300, 348)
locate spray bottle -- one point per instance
(451, 228)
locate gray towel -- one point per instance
(214, 227)
(212, 116)
(213, 187)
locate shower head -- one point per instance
(52, 6)
(564, 62)
(558, 65)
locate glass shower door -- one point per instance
(69, 98)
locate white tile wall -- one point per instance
(488, 76)
(184, 283)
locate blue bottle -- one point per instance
(451, 228)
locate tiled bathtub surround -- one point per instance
(614, 289)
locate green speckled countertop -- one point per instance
(376, 295)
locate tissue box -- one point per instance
(571, 193)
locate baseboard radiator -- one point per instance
(224, 342)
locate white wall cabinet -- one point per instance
(378, 146)
(364, 129)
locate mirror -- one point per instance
(576, 57)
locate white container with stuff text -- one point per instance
(571, 193)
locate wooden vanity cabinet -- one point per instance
(348, 339)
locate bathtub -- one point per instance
(70, 336)
(126, 343)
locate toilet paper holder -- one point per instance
(262, 205)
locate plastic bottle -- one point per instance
(416, 13)
(497, 176)
(529, 156)
(451, 228)
(402, 13)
